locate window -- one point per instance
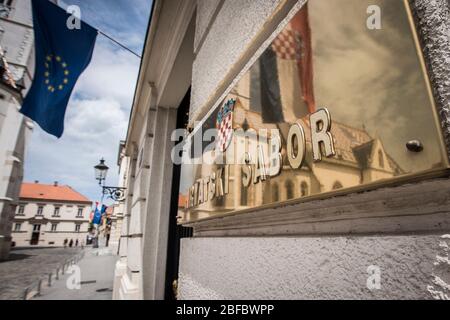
(77, 227)
(304, 189)
(289, 189)
(40, 211)
(36, 228)
(17, 227)
(275, 193)
(56, 212)
(80, 212)
(54, 227)
(21, 210)
(380, 159)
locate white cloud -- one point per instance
(96, 120)
(98, 113)
(112, 74)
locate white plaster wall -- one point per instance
(314, 267)
(206, 10)
(242, 20)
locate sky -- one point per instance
(99, 108)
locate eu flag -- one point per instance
(62, 54)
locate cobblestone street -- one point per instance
(26, 266)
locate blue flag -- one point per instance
(99, 212)
(97, 215)
(62, 55)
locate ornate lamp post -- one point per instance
(114, 193)
(101, 171)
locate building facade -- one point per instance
(50, 216)
(17, 67)
(340, 188)
(118, 209)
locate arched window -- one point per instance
(275, 192)
(337, 185)
(304, 190)
(289, 189)
(380, 159)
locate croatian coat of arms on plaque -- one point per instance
(224, 125)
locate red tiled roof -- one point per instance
(182, 199)
(51, 192)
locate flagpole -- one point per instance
(101, 215)
(104, 34)
(118, 43)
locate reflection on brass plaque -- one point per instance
(329, 107)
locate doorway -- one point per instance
(176, 232)
(35, 235)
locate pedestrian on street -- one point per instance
(65, 243)
(76, 243)
(71, 243)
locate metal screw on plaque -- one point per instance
(414, 146)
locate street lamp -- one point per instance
(114, 193)
(101, 170)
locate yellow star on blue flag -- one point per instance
(62, 54)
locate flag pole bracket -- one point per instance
(114, 193)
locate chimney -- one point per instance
(36, 181)
(55, 183)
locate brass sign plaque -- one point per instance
(338, 102)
